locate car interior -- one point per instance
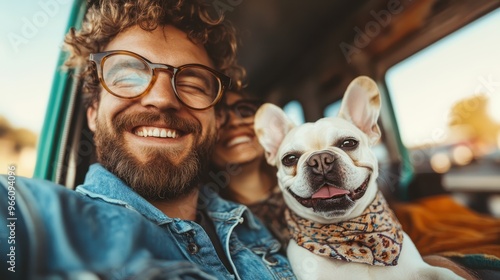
(300, 56)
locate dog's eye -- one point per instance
(349, 144)
(290, 160)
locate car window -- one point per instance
(294, 111)
(447, 103)
(333, 109)
(32, 36)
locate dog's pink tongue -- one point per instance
(328, 192)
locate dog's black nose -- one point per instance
(321, 163)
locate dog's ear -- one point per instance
(361, 106)
(271, 126)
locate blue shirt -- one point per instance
(107, 230)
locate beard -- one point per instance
(157, 178)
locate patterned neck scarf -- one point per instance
(375, 237)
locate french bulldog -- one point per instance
(341, 225)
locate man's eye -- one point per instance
(290, 160)
(349, 144)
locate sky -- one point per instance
(425, 86)
(31, 33)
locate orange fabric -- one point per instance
(439, 225)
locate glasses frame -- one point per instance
(99, 58)
(232, 108)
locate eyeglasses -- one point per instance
(244, 109)
(128, 75)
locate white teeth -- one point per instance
(172, 134)
(156, 132)
(239, 140)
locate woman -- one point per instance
(251, 181)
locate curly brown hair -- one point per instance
(106, 18)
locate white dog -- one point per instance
(341, 225)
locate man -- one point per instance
(151, 87)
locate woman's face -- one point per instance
(237, 142)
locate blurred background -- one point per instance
(31, 36)
(436, 62)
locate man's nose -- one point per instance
(161, 94)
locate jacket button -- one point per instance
(270, 260)
(193, 248)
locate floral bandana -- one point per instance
(375, 237)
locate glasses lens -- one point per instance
(125, 75)
(245, 109)
(197, 87)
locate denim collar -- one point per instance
(102, 184)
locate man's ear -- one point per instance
(271, 126)
(92, 116)
(361, 106)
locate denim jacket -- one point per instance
(104, 230)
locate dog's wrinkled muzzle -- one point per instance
(329, 192)
(329, 198)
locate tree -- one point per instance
(470, 121)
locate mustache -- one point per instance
(125, 122)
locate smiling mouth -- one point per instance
(238, 140)
(328, 194)
(157, 132)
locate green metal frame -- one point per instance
(51, 137)
(407, 171)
